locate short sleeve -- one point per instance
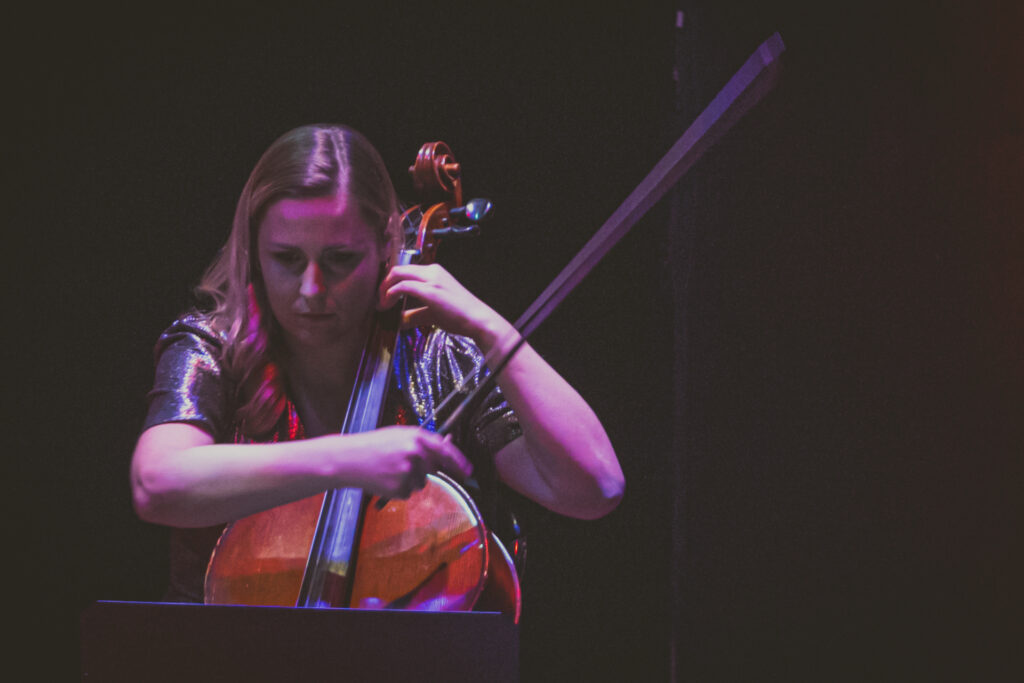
(431, 364)
(493, 423)
(189, 385)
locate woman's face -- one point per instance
(321, 266)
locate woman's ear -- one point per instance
(395, 237)
(387, 253)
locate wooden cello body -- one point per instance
(428, 552)
(341, 548)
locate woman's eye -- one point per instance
(337, 259)
(287, 258)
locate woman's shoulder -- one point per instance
(195, 322)
(190, 384)
(193, 328)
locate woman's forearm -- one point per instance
(181, 478)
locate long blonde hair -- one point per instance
(310, 161)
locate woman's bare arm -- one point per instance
(180, 477)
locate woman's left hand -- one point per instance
(441, 300)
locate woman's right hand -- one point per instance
(393, 462)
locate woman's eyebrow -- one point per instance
(334, 245)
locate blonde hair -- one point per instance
(311, 161)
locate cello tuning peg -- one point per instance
(474, 211)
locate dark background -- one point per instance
(808, 357)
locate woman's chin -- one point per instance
(316, 332)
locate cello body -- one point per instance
(428, 552)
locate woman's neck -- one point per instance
(320, 383)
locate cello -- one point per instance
(343, 548)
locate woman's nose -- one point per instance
(312, 281)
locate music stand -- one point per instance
(146, 641)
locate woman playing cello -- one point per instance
(251, 392)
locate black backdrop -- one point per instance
(808, 358)
(847, 290)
